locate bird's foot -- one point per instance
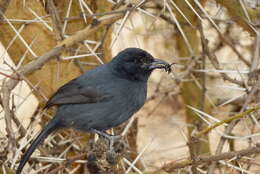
(111, 138)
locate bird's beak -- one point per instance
(158, 64)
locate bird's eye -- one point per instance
(136, 60)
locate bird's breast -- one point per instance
(134, 99)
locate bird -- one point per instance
(101, 98)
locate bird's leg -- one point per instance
(111, 138)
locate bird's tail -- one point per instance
(51, 126)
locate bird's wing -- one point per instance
(73, 93)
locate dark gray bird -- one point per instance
(101, 98)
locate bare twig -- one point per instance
(208, 159)
(193, 144)
(225, 39)
(83, 34)
(213, 59)
(228, 120)
(255, 60)
(230, 127)
(3, 6)
(57, 25)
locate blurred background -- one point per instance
(215, 48)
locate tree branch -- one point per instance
(208, 159)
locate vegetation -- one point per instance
(208, 105)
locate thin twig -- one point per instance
(213, 59)
(3, 7)
(228, 120)
(208, 159)
(57, 25)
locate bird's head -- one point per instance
(137, 64)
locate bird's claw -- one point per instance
(111, 138)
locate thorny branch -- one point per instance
(215, 63)
(213, 59)
(208, 159)
(57, 25)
